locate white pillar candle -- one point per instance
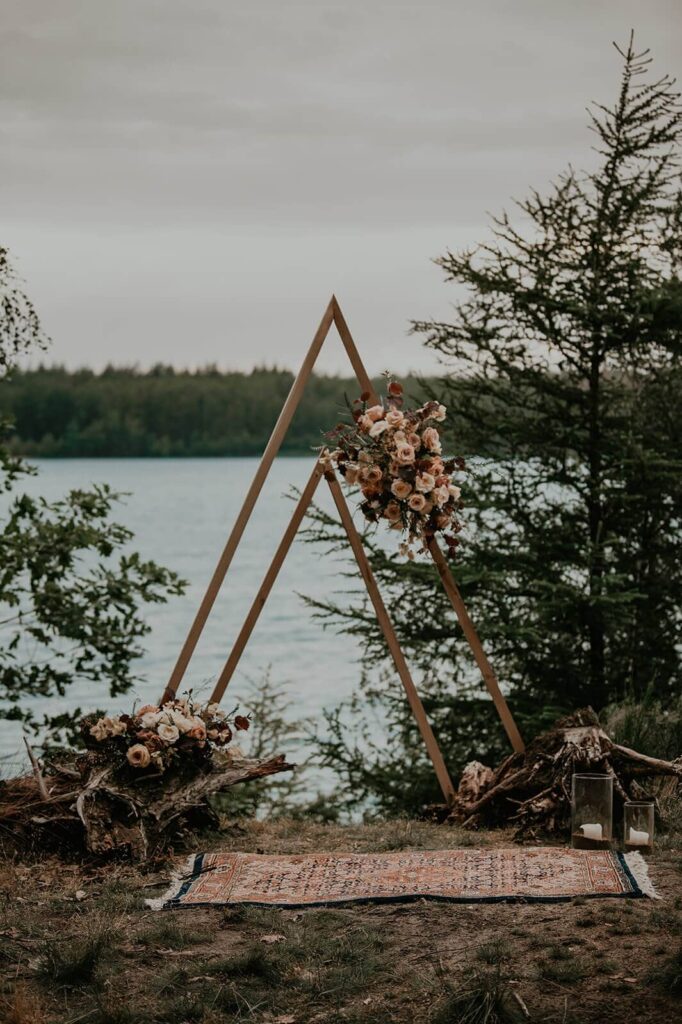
(638, 838)
(592, 831)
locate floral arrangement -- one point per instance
(395, 455)
(156, 738)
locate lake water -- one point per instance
(181, 512)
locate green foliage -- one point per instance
(565, 364)
(647, 726)
(275, 727)
(166, 412)
(70, 590)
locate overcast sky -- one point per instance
(188, 182)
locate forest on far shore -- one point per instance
(125, 412)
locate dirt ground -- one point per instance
(78, 945)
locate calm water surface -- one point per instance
(181, 512)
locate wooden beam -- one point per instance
(353, 354)
(489, 677)
(268, 581)
(391, 638)
(233, 540)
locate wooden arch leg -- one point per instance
(391, 638)
(266, 586)
(489, 677)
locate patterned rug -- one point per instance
(541, 874)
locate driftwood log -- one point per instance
(532, 790)
(89, 808)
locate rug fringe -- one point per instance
(180, 875)
(640, 872)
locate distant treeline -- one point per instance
(124, 412)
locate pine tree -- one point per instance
(563, 364)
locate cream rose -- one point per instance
(415, 440)
(149, 719)
(431, 439)
(365, 423)
(376, 412)
(138, 756)
(395, 418)
(378, 428)
(424, 482)
(373, 475)
(401, 489)
(183, 723)
(440, 414)
(400, 437)
(454, 491)
(168, 733)
(441, 495)
(417, 502)
(148, 709)
(404, 453)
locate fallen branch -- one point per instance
(532, 790)
(110, 814)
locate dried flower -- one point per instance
(401, 489)
(168, 733)
(392, 511)
(404, 453)
(424, 482)
(138, 756)
(378, 428)
(432, 440)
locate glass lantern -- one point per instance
(638, 826)
(591, 812)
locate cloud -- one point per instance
(165, 164)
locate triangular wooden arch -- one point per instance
(333, 314)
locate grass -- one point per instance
(21, 1007)
(73, 962)
(112, 1011)
(562, 966)
(169, 932)
(486, 999)
(107, 960)
(669, 975)
(494, 952)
